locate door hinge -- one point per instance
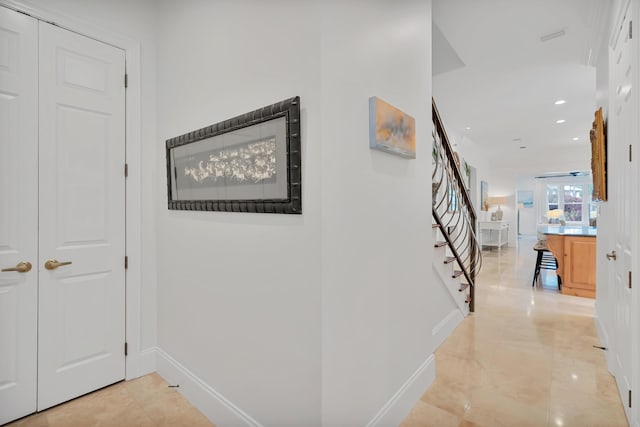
(630, 151)
(629, 280)
(126, 170)
(629, 398)
(126, 81)
(126, 348)
(126, 262)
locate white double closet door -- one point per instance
(62, 213)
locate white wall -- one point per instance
(297, 320)
(239, 294)
(251, 324)
(379, 302)
(528, 217)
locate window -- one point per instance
(573, 201)
(552, 197)
(573, 198)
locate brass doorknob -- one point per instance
(52, 264)
(21, 267)
(612, 256)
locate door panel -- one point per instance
(623, 134)
(18, 213)
(82, 168)
(81, 324)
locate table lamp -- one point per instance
(554, 216)
(497, 200)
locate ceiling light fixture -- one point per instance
(468, 128)
(560, 102)
(560, 121)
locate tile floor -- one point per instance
(144, 402)
(525, 358)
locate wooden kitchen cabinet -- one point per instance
(579, 266)
(576, 257)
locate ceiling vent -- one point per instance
(552, 36)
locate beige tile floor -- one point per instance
(525, 358)
(145, 402)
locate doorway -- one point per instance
(62, 220)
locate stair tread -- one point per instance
(434, 225)
(463, 286)
(456, 273)
(449, 259)
(440, 244)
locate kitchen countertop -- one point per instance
(568, 230)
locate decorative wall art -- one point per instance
(599, 157)
(390, 129)
(526, 198)
(484, 195)
(250, 163)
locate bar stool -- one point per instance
(544, 261)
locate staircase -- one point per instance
(457, 255)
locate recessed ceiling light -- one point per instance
(468, 128)
(575, 138)
(560, 121)
(560, 102)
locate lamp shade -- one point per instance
(555, 213)
(497, 200)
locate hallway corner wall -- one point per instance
(380, 301)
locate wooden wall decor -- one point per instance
(599, 157)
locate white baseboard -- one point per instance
(148, 359)
(141, 363)
(211, 403)
(446, 326)
(397, 408)
(604, 341)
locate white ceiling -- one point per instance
(505, 80)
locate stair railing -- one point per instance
(452, 208)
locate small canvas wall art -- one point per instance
(390, 129)
(526, 198)
(484, 195)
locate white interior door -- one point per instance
(622, 134)
(82, 215)
(18, 213)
